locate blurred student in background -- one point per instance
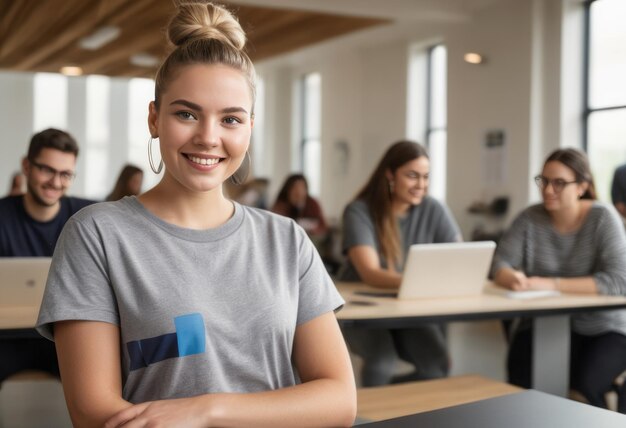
(573, 244)
(30, 225)
(392, 212)
(294, 201)
(128, 183)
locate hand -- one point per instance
(519, 281)
(541, 283)
(180, 412)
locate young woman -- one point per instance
(392, 212)
(294, 201)
(573, 244)
(128, 183)
(180, 307)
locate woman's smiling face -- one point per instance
(204, 125)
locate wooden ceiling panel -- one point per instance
(44, 35)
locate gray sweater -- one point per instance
(597, 249)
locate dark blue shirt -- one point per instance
(23, 236)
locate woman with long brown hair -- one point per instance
(390, 213)
(128, 183)
(573, 244)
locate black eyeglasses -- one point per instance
(558, 184)
(49, 173)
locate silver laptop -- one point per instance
(22, 281)
(446, 270)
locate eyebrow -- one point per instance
(197, 107)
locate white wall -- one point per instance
(104, 139)
(16, 123)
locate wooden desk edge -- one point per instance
(386, 402)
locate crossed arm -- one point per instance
(89, 360)
(518, 281)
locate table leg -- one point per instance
(551, 348)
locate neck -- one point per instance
(568, 219)
(39, 211)
(191, 210)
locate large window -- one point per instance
(427, 111)
(605, 90)
(311, 151)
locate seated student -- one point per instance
(392, 212)
(30, 225)
(294, 201)
(179, 307)
(128, 183)
(574, 244)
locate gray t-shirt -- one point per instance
(597, 249)
(428, 222)
(199, 311)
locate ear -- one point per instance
(25, 166)
(582, 188)
(153, 120)
(389, 175)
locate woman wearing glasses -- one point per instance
(573, 244)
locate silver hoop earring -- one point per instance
(154, 169)
(391, 186)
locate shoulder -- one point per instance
(357, 206)
(600, 211)
(533, 214)
(261, 219)
(76, 204)
(102, 212)
(431, 204)
(10, 203)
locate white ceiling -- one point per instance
(398, 10)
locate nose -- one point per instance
(56, 181)
(208, 134)
(421, 182)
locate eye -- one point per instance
(559, 183)
(232, 120)
(185, 115)
(48, 170)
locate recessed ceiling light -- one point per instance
(99, 38)
(71, 70)
(144, 60)
(473, 58)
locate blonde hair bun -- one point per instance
(197, 20)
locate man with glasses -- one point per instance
(30, 225)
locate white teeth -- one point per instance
(203, 161)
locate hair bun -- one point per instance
(196, 20)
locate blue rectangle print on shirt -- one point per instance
(189, 339)
(190, 334)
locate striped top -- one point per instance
(597, 249)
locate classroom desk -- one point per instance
(519, 410)
(392, 401)
(551, 318)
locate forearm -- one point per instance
(578, 285)
(86, 412)
(318, 403)
(381, 278)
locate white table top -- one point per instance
(485, 306)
